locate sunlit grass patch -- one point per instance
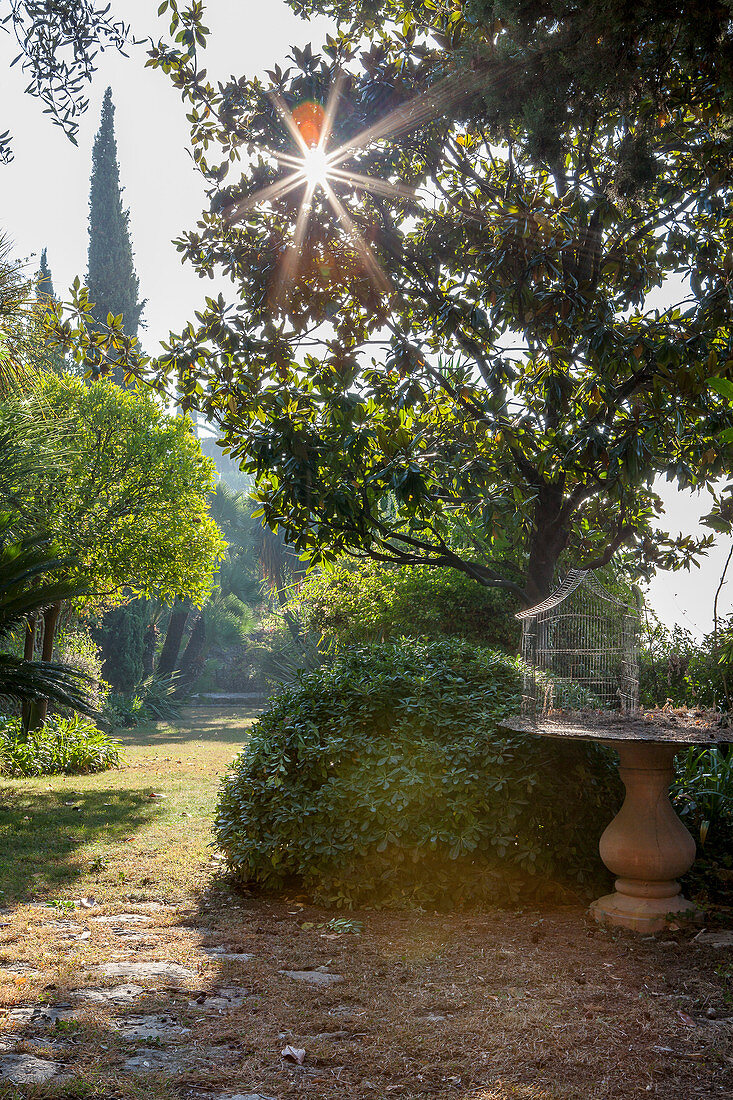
(143, 829)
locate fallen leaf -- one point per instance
(293, 1054)
(686, 1020)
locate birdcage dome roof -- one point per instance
(573, 579)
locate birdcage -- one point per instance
(580, 649)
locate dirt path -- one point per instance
(128, 970)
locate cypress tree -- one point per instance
(113, 288)
(122, 636)
(44, 282)
(50, 357)
(111, 279)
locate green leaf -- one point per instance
(723, 386)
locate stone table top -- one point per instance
(656, 728)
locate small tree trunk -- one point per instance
(168, 661)
(194, 651)
(29, 652)
(50, 622)
(150, 644)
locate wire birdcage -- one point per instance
(580, 649)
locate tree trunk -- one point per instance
(150, 644)
(50, 622)
(168, 661)
(547, 542)
(29, 652)
(193, 654)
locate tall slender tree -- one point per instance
(44, 282)
(111, 279)
(114, 288)
(49, 355)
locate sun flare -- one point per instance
(315, 167)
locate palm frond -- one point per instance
(32, 681)
(28, 585)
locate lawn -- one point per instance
(116, 870)
(146, 826)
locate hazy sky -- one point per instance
(45, 191)
(45, 200)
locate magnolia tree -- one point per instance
(475, 303)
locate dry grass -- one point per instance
(489, 1006)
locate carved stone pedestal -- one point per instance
(646, 844)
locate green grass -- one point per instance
(114, 838)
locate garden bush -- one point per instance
(357, 604)
(63, 746)
(689, 672)
(154, 700)
(703, 796)
(78, 649)
(385, 778)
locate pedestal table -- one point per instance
(646, 845)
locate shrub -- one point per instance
(703, 796)
(703, 789)
(386, 778)
(356, 604)
(78, 649)
(121, 635)
(154, 701)
(64, 746)
(676, 666)
(270, 657)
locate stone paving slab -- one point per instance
(246, 1096)
(150, 1028)
(65, 926)
(26, 1069)
(122, 918)
(153, 1060)
(313, 977)
(715, 939)
(221, 1000)
(39, 1014)
(174, 1059)
(171, 973)
(118, 994)
(225, 953)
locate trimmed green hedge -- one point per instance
(357, 603)
(385, 779)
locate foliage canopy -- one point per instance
(129, 500)
(59, 41)
(527, 386)
(355, 604)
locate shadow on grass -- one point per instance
(42, 840)
(227, 725)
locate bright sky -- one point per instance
(45, 203)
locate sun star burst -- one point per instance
(316, 168)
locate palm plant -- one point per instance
(22, 335)
(27, 589)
